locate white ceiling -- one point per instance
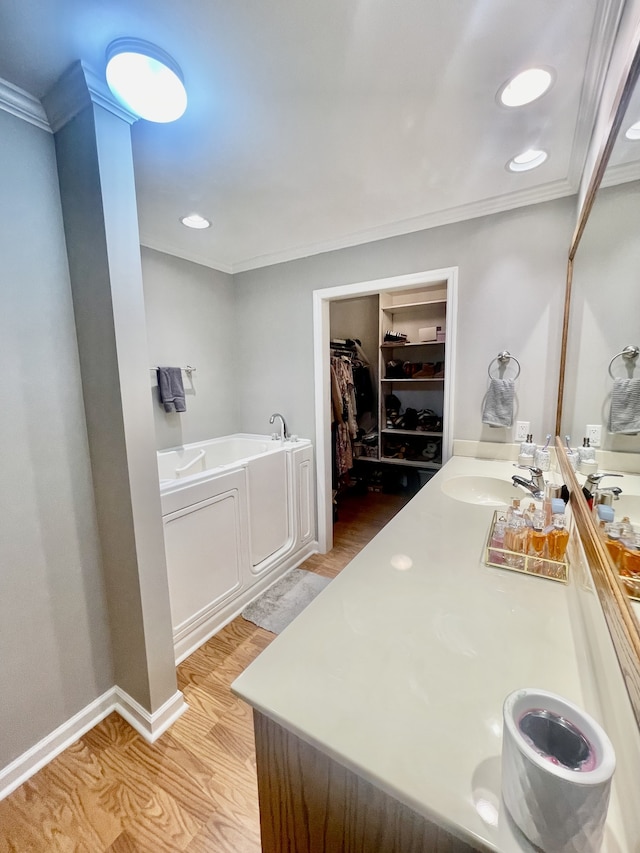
(316, 125)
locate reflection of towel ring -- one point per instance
(504, 357)
(630, 353)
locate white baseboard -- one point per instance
(188, 641)
(149, 726)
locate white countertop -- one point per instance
(400, 675)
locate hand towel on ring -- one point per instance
(497, 410)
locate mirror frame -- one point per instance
(621, 621)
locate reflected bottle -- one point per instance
(630, 566)
(630, 558)
(586, 458)
(614, 544)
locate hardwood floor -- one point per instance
(195, 789)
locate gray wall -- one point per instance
(191, 320)
(56, 655)
(512, 270)
(605, 313)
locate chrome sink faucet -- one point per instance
(535, 485)
(284, 433)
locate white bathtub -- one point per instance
(238, 512)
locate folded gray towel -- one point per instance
(624, 416)
(498, 403)
(171, 389)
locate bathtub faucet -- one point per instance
(284, 433)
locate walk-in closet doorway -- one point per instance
(389, 290)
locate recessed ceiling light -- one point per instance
(194, 220)
(633, 132)
(146, 80)
(530, 159)
(525, 87)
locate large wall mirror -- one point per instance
(601, 376)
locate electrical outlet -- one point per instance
(594, 434)
(522, 430)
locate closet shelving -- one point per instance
(408, 312)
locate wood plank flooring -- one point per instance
(195, 789)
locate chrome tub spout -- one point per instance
(284, 432)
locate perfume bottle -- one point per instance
(542, 457)
(514, 508)
(529, 513)
(537, 541)
(515, 541)
(497, 541)
(558, 539)
(550, 505)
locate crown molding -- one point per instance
(623, 173)
(485, 207)
(195, 258)
(19, 103)
(603, 36)
(79, 87)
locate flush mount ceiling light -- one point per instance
(194, 220)
(525, 87)
(146, 80)
(530, 159)
(633, 132)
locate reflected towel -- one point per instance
(624, 416)
(498, 404)
(171, 389)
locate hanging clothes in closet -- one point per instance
(351, 395)
(343, 404)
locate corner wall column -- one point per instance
(95, 168)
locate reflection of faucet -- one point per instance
(535, 485)
(284, 434)
(592, 486)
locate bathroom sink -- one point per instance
(488, 491)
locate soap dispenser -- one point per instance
(527, 452)
(587, 457)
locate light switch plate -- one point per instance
(522, 430)
(594, 434)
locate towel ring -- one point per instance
(629, 353)
(504, 357)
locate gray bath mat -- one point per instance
(283, 601)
